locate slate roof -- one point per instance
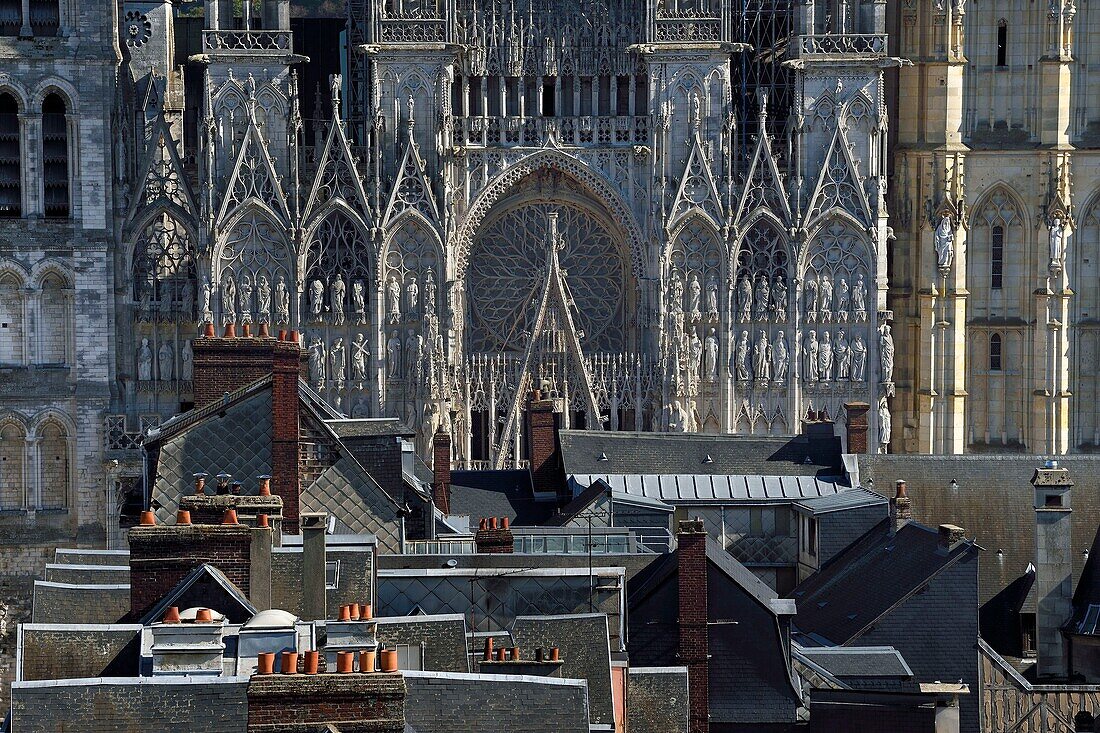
(346, 491)
(1087, 593)
(498, 494)
(994, 504)
(812, 454)
(369, 427)
(870, 578)
(850, 499)
(716, 489)
(866, 661)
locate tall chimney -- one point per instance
(1053, 566)
(314, 559)
(901, 507)
(856, 426)
(542, 439)
(694, 640)
(441, 470)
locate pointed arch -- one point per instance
(837, 273)
(337, 177)
(164, 264)
(762, 272)
(411, 268)
(254, 180)
(163, 181)
(764, 189)
(13, 305)
(838, 187)
(13, 461)
(698, 191)
(338, 246)
(53, 445)
(254, 246)
(996, 248)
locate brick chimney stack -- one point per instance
(544, 453)
(901, 507)
(494, 537)
(1053, 567)
(441, 470)
(346, 702)
(694, 640)
(856, 426)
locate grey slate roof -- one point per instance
(670, 453)
(369, 427)
(993, 503)
(345, 490)
(850, 499)
(866, 661)
(716, 489)
(498, 494)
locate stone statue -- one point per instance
(811, 299)
(282, 301)
(263, 299)
(812, 355)
(187, 357)
(165, 302)
(781, 358)
(742, 364)
(336, 299)
(825, 358)
(360, 353)
(187, 303)
(229, 300)
(145, 362)
(825, 299)
(361, 408)
(317, 363)
(359, 302)
(167, 361)
(761, 358)
(843, 357)
(393, 355)
(414, 352)
(412, 296)
(678, 419)
(245, 299)
(207, 312)
(710, 357)
(859, 358)
(779, 300)
(676, 294)
(744, 299)
(886, 355)
(695, 357)
(393, 296)
(884, 425)
(944, 241)
(843, 299)
(336, 359)
(859, 299)
(695, 295)
(429, 291)
(763, 297)
(712, 298)
(316, 299)
(1057, 238)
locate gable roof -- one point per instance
(504, 493)
(201, 587)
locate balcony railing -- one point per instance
(535, 131)
(273, 42)
(688, 30)
(414, 30)
(842, 44)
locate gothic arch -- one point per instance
(13, 461)
(253, 245)
(15, 270)
(53, 437)
(410, 218)
(829, 226)
(56, 85)
(165, 251)
(11, 86)
(696, 217)
(48, 267)
(594, 182)
(999, 194)
(333, 206)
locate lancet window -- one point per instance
(164, 271)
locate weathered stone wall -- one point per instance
(657, 700)
(67, 652)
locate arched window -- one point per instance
(54, 321)
(11, 17)
(12, 460)
(997, 257)
(1002, 42)
(53, 466)
(164, 269)
(11, 320)
(45, 17)
(55, 156)
(11, 174)
(995, 353)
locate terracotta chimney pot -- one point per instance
(513, 654)
(183, 516)
(265, 485)
(493, 522)
(345, 662)
(354, 611)
(293, 337)
(148, 518)
(312, 661)
(488, 648)
(555, 654)
(264, 332)
(172, 615)
(208, 330)
(203, 616)
(504, 522)
(282, 334)
(265, 663)
(231, 330)
(261, 521)
(289, 664)
(389, 660)
(366, 613)
(230, 517)
(345, 613)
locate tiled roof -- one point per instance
(716, 489)
(850, 499)
(360, 505)
(498, 494)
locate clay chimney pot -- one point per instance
(264, 332)
(354, 608)
(345, 613)
(172, 615)
(289, 663)
(183, 516)
(312, 661)
(231, 330)
(208, 330)
(901, 490)
(203, 616)
(261, 521)
(148, 518)
(230, 517)
(265, 663)
(366, 613)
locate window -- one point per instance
(1002, 43)
(11, 174)
(12, 461)
(11, 320)
(811, 538)
(549, 108)
(332, 574)
(45, 17)
(53, 466)
(995, 352)
(996, 257)
(55, 156)
(11, 17)
(410, 656)
(54, 320)
(1027, 633)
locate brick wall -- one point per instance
(441, 471)
(545, 454)
(277, 701)
(162, 555)
(857, 426)
(355, 583)
(444, 641)
(61, 603)
(691, 558)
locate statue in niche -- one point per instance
(843, 298)
(744, 299)
(360, 355)
(207, 312)
(317, 363)
(412, 297)
(763, 297)
(145, 300)
(166, 358)
(825, 298)
(263, 299)
(678, 419)
(145, 362)
(884, 425)
(781, 358)
(779, 300)
(812, 354)
(843, 357)
(336, 359)
(229, 300)
(431, 328)
(825, 358)
(886, 355)
(393, 296)
(676, 294)
(165, 302)
(429, 291)
(414, 352)
(712, 298)
(761, 358)
(361, 408)
(859, 299)
(742, 356)
(811, 299)
(245, 294)
(282, 301)
(393, 355)
(316, 299)
(943, 240)
(1057, 238)
(695, 296)
(859, 358)
(711, 356)
(187, 302)
(187, 358)
(336, 298)
(695, 358)
(359, 302)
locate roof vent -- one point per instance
(954, 485)
(807, 460)
(1050, 464)
(708, 459)
(603, 457)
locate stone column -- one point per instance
(25, 30)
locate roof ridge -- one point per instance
(178, 423)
